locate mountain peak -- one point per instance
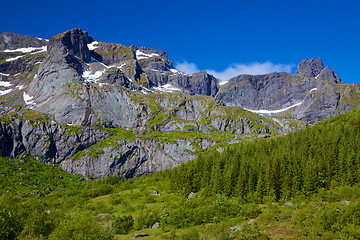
(328, 74)
(310, 67)
(11, 41)
(75, 41)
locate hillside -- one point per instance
(304, 185)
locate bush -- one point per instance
(80, 227)
(8, 225)
(123, 225)
(147, 218)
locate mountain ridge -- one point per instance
(78, 81)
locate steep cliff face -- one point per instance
(125, 110)
(46, 140)
(311, 95)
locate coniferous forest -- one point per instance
(304, 185)
(323, 156)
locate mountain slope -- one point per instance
(110, 89)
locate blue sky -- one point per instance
(224, 37)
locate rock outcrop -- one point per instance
(73, 41)
(45, 140)
(310, 67)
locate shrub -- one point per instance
(123, 225)
(80, 227)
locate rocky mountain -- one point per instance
(101, 109)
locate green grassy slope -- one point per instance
(301, 186)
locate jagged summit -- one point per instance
(314, 67)
(310, 67)
(74, 41)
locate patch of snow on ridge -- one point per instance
(14, 58)
(93, 45)
(175, 71)
(4, 74)
(25, 50)
(314, 89)
(5, 92)
(273, 111)
(20, 87)
(5, 84)
(42, 49)
(28, 99)
(140, 55)
(43, 39)
(223, 83)
(167, 88)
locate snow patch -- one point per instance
(4, 74)
(5, 84)
(24, 50)
(42, 49)
(273, 111)
(43, 39)
(93, 45)
(93, 77)
(223, 83)
(167, 88)
(5, 92)
(20, 87)
(140, 55)
(30, 50)
(38, 63)
(122, 65)
(28, 99)
(314, 89)
(14, 58)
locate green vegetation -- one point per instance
(301, 186)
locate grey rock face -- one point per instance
(306, 98)
(49, 142)
(330, 75)
(162, 54)
(14, 41)
(74, 41)
(310, 67)
(115, 77)
(199, 84)
(129, 158)
(270, 91)
(202, 84)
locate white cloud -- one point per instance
(188, 68)
(236, 69)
